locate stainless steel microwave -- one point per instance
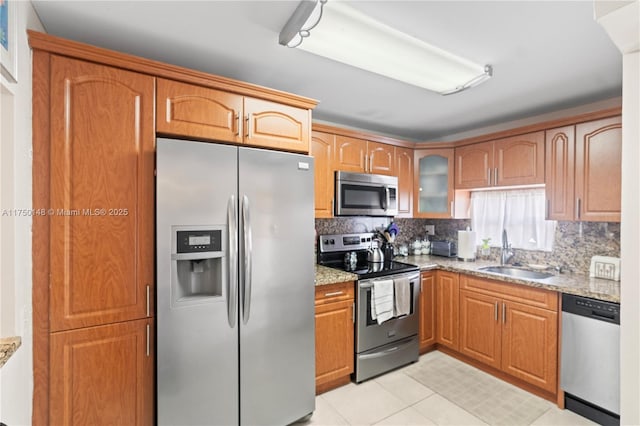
(361, 194)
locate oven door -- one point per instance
(366, 195)
(370, 334)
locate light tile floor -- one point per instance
(437, 390)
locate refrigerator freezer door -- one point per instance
(277, 343)
(197, 337)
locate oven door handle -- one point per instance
(386, 351)
(369, 284)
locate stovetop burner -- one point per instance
(372, 270)
(333, 248)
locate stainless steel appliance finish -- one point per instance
(235, 339)
(378, 347)
(361, 194)
(374, 254)
(444, 248)
(506, 252)
(590, 362)
(383, 347)
(516, 272)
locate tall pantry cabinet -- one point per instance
(93, 147)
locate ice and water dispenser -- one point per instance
(197, 262)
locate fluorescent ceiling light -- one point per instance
(339, 32)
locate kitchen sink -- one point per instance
(516, 272)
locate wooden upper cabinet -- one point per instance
(101, 192)
(433, 185)
(404, 171)
(103, 375)
(583, 171)
(322, 145)
(198, 112)
(598, 170)
(517, 160)
(350, 154)
(273, 125)
(473, 166)
(559, 172)
(188, 110)
(381, 159)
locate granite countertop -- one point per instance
(325, 275)
(571, 283)
(8, 346)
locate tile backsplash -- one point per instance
(574, 245)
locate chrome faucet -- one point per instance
(506, 253)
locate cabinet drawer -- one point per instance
(519, 293)
(334, 292)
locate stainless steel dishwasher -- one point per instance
(590, 364)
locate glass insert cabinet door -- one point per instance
(434, 183)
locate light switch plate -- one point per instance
(430, 229)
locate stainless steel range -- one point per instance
(378, 347)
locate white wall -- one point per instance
(16, 377)
(630, 243)
(623, 26)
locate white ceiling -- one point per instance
(546, 55)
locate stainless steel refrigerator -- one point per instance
(235, 285)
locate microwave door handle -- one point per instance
(386, 201)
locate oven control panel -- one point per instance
(342, 242)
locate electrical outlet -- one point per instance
(609, 270)
(430, 229)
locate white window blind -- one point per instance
(521, 212)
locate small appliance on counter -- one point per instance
(467, 245)
(444, 248)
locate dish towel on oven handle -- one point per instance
(382, 300)
(402, 296)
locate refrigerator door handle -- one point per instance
(247, 252)
(232, 277)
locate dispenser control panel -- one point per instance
(198, 241)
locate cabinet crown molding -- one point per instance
(65, 47)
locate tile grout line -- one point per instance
(540, 416)
(335, 409)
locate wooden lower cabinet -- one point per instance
(103, 375)
(530, 345)
(334, 335)
(427, 331)
(480, 331)
(501, 327)
(447, 304)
